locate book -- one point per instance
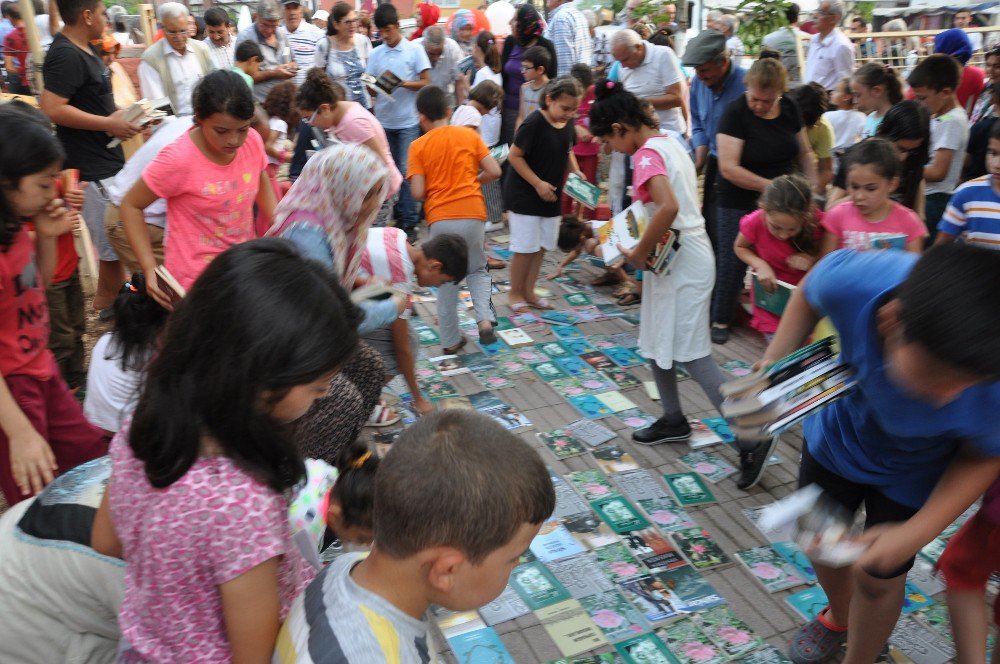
(570, 628)
(636, 418)
(577, 300)
(619, 514)
(388, 82)
(580, 190)
(689, 591)
(666, 514)
(688, 489)
(500, 153)
(879, 241)
(794, 555)
(561, 443)
(169, 285)
(650, 596)
(769, 569)
(536, 586)
(142, 113)
(554, 542)
(479, 645)
(702, 435)
(581, 576)
(775, 302)
(559, 317)
(698, 547)
(690, 645)
(373, 290)
(728, 632)
(466, 65)
(614, 616)
(709, 466)
(515, 337)
(788, 366)
(645, 649)
(591, 433)
(588, 530)
(590, 407)
(652, 548)
(486, 402)
(625, 229)
(449, 365)
(505, 607)
(663, 254)
(613, 459)
(808, 603)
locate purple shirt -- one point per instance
(514, 78)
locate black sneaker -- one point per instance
(487, 337)
(663, 431)
(720, 335)
(752, 463)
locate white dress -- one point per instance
(674, 315)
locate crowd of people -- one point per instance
(258, 252)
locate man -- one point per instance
(6, 26)
(718, 81)
(831, 53)
(727, 26)
(302, 37)
(867, 47)
(444, 54)
(277, 64)
(788, 41)
(398, 115)
(221, 46)
(569, 32)
(15, 53)
(77, 98)
(173, 66)
(963, 19)
(320, 18)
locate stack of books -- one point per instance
(769, 401)
(142, 113)
(626, 229)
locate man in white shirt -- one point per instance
(727, 25)
(652, 72)
(831, 53)
(570, 34)
(444, 54)
(302, 38)
(963, 19)
(173, 66)
(220, 42)
(790, 42)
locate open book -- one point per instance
(625, 229)
(169, 285)
(142, 113)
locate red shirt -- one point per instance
(15, 44)
(24, 316)
(970, 86)
(583, 120)
(67, 259)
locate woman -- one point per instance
(983, 108)
(425, 16)
(956, 43)
(463, 30)
(344, 53)
(526, 31)
(761, 136)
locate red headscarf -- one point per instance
(429, 15)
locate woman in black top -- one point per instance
(526, 31)
(761, 136)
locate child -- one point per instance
(873, 171)
(586, 149)
(64, 297)
(813, 101)
(535, 65)
(447, 167)
(974, 210)
(210, 178)
(539, 159)
(458, 499)
(917, 442)
(486, 55)
(968, 562)
(283, 117)
(209, 456)
(482, 113)
(118, 361)
(780, 241)
(577, 237)
(391, 258)
(42, 428)
(248, 58)
(934, 81)
(876, 88)
(847, 122)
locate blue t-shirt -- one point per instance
(974, 211)
(878, 435)
(406, 60)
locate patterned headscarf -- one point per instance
(529, 25)
(331, 188)
(459, 20)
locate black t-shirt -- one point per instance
(979, 141)
(770, 148)
(83, 79)
(546, 149)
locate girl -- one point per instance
(846, 121)
(486, 55)
(344, 53)
(780, 241)
(586, 148)
(211, 568)
(210, 178)
(282, 118)
(42, 428)
(118, 362)
(538, 159)
(873, 170)
(876, 88)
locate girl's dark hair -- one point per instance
(908, 120)
(571, 230)
(487, 43)
(138, 321)
(875, 73)
(791, 195)
(355, 486)
(222, 91)
(318, 89)
(487, 93)
(877, 153)
(28, 147)
(582, 72)
(337, 14)
(813, 100)
(615, 105)
(259, 321)
(564, 86)
(279, 103)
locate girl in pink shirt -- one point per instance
(197, 504)
(210, 177)
(780, 241)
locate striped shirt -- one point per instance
(570, 34)
(387, 257)
(974, 213)
(303, 45)
(221, 56)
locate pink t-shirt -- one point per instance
(774, 252)
(209, 206)
(182, 542)
(856, 232)
(358, 126)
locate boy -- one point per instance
(974, 210)
(934, 82)
(457, 500)
(918, 441)
(535, 65)
(390, 257)
(447, 167)
(248, 58)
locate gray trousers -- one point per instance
(478, 279)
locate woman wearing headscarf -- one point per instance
(463, 30)
(526, 31)
(426, 16)
(955, 42)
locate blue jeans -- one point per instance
(405, 209)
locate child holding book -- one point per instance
(780, 241)
(586, 149)
(458, 499)
(539, 158)
(917, 442)
(576, 238)
(447, 167)
(535, 66)
(871, 219)
(974, 210)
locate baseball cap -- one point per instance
(321, 15)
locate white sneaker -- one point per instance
(494, 226)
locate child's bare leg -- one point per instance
(875, 608)
(520, 266)
(968, 623)
(534, 270)
(838, 585)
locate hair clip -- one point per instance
(361, 460)
(132, 288)
(491, 42)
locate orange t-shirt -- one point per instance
(448, 158)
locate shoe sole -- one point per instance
(667, 439)
(770, 451)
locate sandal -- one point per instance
(629, 298)
(383, 416)
(519, 307)
(495, 263)
(541, 304)
(451, 350)
(819, 640)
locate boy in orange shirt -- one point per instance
(447, 165)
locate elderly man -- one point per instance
(831, 53)
(789, 41)
(444, 54)
(718, 81)
(221, 46)
(172, 66)
(302, 37)
(727, 25)
(320, 19)
(569, 32)
(277, 65)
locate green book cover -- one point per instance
(773, 302)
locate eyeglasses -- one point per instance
(527, 67)
(351, 21)
(175, 33)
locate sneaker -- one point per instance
(752, 463)
(494, 226)
(487, 337)
(720, 335)
(663, 431)
(817, 641)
